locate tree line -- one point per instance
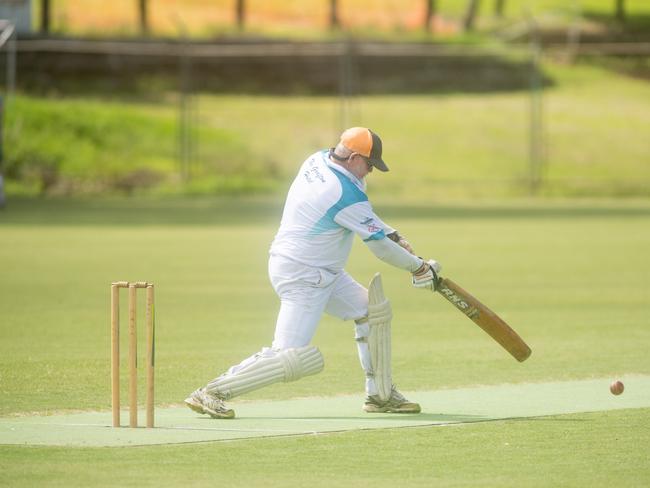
(334, 19)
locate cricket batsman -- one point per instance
(325, 207)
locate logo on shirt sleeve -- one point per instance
(371, 225)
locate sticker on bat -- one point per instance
(462, 305)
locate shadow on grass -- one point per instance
(268, 210)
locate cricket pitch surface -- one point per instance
(305, 416)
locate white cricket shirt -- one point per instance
(326, 206)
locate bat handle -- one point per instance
(437, 281)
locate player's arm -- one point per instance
(392, 253)
(425, 273)
(384, 242)
(426, 276)
(400, 240)
(393, 235)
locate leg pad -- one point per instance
(379, 338)
(265, 368)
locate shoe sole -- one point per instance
(199, 408)
(375, 409)
(194, 405)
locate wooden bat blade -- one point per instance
(485, 318)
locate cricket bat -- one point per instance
(485, 318)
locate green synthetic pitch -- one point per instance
(306, 416)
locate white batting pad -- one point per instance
(379, 317)
(265, 368)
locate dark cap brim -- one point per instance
(379, 164)
(375, 153)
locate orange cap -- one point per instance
(365, 142)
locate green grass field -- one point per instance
(571, 277)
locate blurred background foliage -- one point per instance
(448, 19)
(507, 107)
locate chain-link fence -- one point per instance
(457, 120)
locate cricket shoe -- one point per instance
(396, 403)
(203, 402)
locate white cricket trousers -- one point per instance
(305, 293)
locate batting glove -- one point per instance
(427, 275)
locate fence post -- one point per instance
(185, 130)
(536, 137)
(8, 39)
(2, 186)
(348, 84)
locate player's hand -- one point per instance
(427, 275)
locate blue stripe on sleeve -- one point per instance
(376, 236)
